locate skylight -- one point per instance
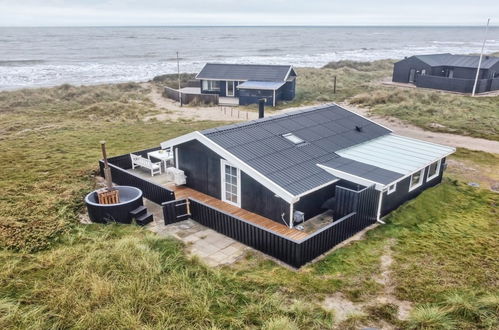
(293, 138)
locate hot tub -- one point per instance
(130, 199)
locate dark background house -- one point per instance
(249, 82)
(278, 165)
(448, 72)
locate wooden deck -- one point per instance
(185, 192)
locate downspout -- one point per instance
(380, 201)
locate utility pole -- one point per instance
(178, 73)
(481, 56)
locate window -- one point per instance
(423, 72)
(293, 138)
(416, 180)
(391, 188)
(433, 170)
(211, 85)
(231, 186)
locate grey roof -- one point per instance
(462, 61)
(265, 85)
(396, 153)
(363, 170)
(243, 72)
(325, 130)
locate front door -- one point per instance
(231, 88)
(412, 74)
(231, 183)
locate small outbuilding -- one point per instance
(449, 72)
(247, 83)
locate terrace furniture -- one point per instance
(140, 161)
(165, 156)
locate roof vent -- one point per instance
(487, 57)
(358, 128)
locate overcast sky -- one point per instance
(246, 12)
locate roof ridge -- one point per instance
(252, 64)
(269, 118)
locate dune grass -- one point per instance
(436, 111)
(57, 273)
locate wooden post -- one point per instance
(334, 85)
(107, 170)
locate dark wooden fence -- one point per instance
(356, 210)
(293, 252)
(245, 232)
(451, 84)
(121, 176)
(175, 211)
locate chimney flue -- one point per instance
(261, 108)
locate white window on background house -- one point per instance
(391, 188)
(211, 85)
(434, 170)
(416, 180)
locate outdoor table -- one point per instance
(163, 155)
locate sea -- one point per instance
(35, 57)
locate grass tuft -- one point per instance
(430, 317)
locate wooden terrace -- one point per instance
(182, 192)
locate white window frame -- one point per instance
(421, 179)
(391, 189)
(209, 85)
(227, 88)
(223, 162)
(437, 173)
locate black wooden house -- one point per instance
(448, 72)
(288, 167)
(249, 82)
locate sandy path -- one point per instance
(412, 131)
(171, 110)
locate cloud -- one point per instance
(254, 12)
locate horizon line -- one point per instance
(247, 26)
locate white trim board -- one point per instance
(352, 178)
(262, 179)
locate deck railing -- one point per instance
(121, 176)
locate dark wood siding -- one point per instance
(251, 96)
(288, 90)
(402, 194)
(401, 70)
(260, 200)
(311, 204)
(202, 168)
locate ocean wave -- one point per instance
(270, 50)
(20, 62)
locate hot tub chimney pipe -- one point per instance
(261, 108)
(107, 170)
